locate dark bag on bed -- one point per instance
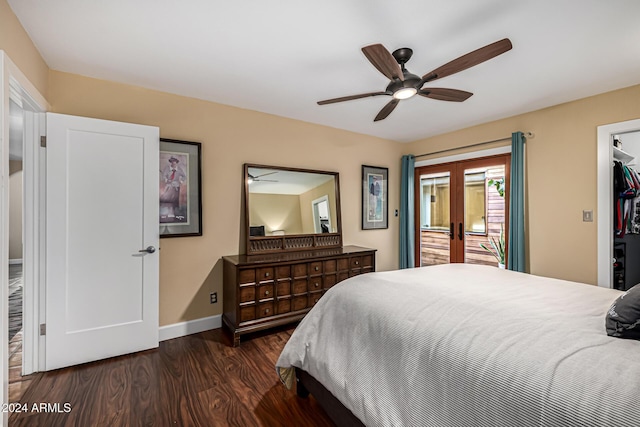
(623, 317)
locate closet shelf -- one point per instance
(623, 156)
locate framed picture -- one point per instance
(180, 189)
(375, 204)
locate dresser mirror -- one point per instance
(291, 209)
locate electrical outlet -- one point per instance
(213, 297)
(587, 216)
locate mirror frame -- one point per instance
(291, 242)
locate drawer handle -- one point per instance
(266, 311)
(317, 284)
(266, 274)
(357, 262)
(266, 292)
(317, 268)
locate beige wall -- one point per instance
(276, 212)
(190, 267)
(15, 209)
(561, 176)
(16, 43)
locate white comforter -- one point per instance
(465, 345)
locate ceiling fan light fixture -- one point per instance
(405, 93)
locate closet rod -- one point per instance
(528, 135)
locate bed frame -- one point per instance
(338, 413)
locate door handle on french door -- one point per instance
(148, 249)
(452, 233)
(460, 231)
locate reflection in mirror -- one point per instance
(287, 202)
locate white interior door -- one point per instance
(102, 211)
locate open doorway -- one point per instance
(605, 219)
(22, 160)
(321, 219)
(16, 258)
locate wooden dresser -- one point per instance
(267, 290)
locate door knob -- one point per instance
(149, 250)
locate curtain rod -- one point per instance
(528, 135)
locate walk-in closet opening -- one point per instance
(626, 212)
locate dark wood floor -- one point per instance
(198, 380)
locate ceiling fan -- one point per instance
(257, 177)
(404, 85)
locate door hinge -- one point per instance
(43, 329)
(43, 141)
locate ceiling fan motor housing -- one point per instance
(410, 80)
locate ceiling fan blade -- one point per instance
(384, 62)
(264, 174)
(349, 98)
(387, 109)
(444, 94)
(469, 60)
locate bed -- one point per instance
(465, 345)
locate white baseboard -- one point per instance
(15, 261)
(182, 329)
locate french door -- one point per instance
(461, 207)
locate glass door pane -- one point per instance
(484, 214)
(435, 219)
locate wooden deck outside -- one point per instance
(434, 245)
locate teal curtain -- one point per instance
(407, 231)
(516, 252)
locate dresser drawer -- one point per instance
(299, 302)
(247, 313)
(247, 293)
(343, 264)
(367, 261)
(299, 286)
(355, 262)
(284, 305)
(330, 280)
(247, 276)
(265, 292)
(283, 272)
(315, 268)
(299, 270)
(264, 309)
(314, 284)
(264, 274)
(283, 287)
(330, 266)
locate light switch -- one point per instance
(587, 216)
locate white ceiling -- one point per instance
(283, 56)
(278, 181)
